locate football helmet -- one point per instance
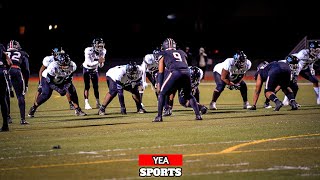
(63, 59)
(195, 75)
(98, 45)
(131, 70)
(13, 44)
(156, 55)
(262, 65)
(314, 48)
(293, 62)
(169, 44)
(240, 59)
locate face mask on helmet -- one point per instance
(240, 59)
(156, 55)
(293, 62)
(13, 44)
(63, 60)
(314, 48)
(194, 74)
(131, 70)
(98, 45)
(169, 44)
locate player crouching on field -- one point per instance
(124, 77)
(58, 77)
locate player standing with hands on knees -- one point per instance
(94, 59)
(177, 77)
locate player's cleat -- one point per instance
(4, 129)
(9, 119)
(279, 104)
(294, 105)
(167, 111)
(23, 122)
(203, 109)
(102, 111)
(123, 111)
(157, 119)
(267, 105)
(198, 117)
(253, 107)
(87, 106)
(285, 101)
(212, 106)
(32, 111)
(141, 111)
(79, 112)
(246, 105)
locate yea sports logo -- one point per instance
(160, 165)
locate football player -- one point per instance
(196, 75)
(45, 63)
(124, 77)
(307, 58)
(273, 74)
(231, 72)
(150, 70)
(178, 77)
(19, 76)
(5, 61)
(94, 58)
(293, 64)
(58, 77)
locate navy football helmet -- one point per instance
(240, 59)
(98, 45)
(195, 75)
(262, 65)
(13, 44)
(62, 58)
(131, 70)
(169, 44)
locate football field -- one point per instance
(229, 143)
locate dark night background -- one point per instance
(265, 30)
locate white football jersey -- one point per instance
(91, 58)
(229, 65)
(59, 74)
(47, 60)
(304, 59)
(149, 63)
(118, 74)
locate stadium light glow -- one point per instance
(55, 26)
(50, 27)
(171, 16)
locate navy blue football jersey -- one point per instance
(280, 66)
(175, 59)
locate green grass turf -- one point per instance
(230, 143)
